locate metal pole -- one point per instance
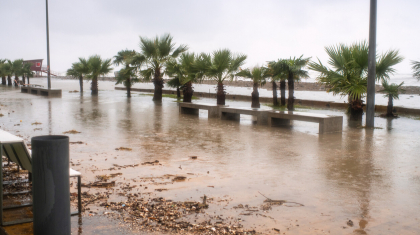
(370, 107)
(48, 48)
(51, 185)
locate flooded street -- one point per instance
(371, 177)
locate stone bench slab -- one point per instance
(193, 108)
(327, 123)
(229, 113)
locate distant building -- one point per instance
(36, 66)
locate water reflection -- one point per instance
(389, 123)
(49, 118)
(352, 170)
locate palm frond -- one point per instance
(386, 61)
(416, 69)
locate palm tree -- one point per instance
(97, 67)
(154, 55)
(416, 69)
(175, 83)
(392, 92)
(78, 70)
(26, 71)
(293, 68)
(349, 73)
(184, 72)
(3, 73)
(17, 68)
(258, 76)
(7, 68)
(223, 64)
(277, 74)
(126, 75)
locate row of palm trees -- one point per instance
(159, 57)
(15, 68)
(91, 68)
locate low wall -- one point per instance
(312, 103)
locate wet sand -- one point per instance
(371, 177)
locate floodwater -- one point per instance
(371, 177)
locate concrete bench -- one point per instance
(40, 91)
(193, 108)
(228, 113)
(327, 123)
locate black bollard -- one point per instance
(51, 185)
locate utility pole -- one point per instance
(48, 48)
(370, 107)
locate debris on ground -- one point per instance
(158, 214)
(76, 142)
(73, 91)
(36, 123)
(107, 177)
(179, 178)
(38, 129)
(123, 149)
(124, 166)
(280, 202)
(72, 132)
(156, 162)
(100, 184)
(193, 157)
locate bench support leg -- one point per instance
(329, 125)
(213, 112)
(262, 119)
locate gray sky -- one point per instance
(264, 30)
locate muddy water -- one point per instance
(371, 177)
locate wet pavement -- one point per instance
(370, 177)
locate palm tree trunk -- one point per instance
(356, 108)
(283, 92)
(291, 99)
(9, 80)
(255, 97)
(188, 92)
(128, 85)
(81, 84)
(23, 79)
(3, 80)
(94, 87)
(27, 77)
(158, 82)
(178, 93)
(390, 107)
(17, 80)
(275, 102)
(221, 95)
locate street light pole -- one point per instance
(370, 107)
(48, 48)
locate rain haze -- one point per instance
(263, 30)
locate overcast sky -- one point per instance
(264, 30)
